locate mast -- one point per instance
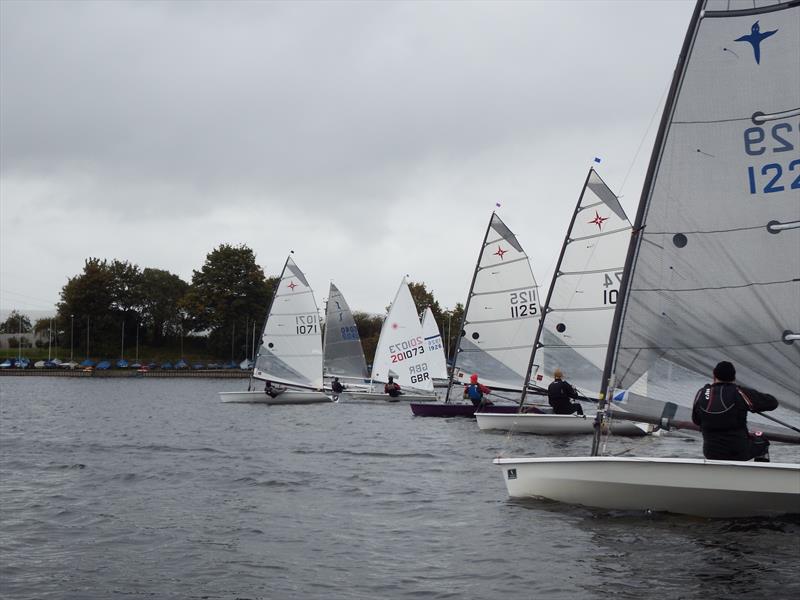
(552, 287)
(466, 308)
(607, 383)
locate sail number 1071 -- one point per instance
(306, 324)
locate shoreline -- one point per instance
(127, 373)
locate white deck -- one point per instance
(706, 488)
(550, 424)
(287, 397)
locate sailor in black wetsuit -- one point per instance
(720, 409)
(559, 395)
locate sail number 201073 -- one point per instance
(406, 349)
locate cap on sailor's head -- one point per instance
(473, 378)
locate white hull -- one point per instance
(550, 424)
(706, 488)
(379, 397)
(287, 397)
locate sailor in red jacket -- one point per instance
(476, 391)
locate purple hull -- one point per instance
(440, 409)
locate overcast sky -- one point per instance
(372, 138)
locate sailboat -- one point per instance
(401, 354)
(498, 326)
(712, 273)
(437, 365)
(290, 355)
(576, 321)
(342, 350)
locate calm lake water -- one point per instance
(151, 488)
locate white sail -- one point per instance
(342, 350)
(291, 345)
(401, 351)
(717, 260)
(437, 365)
(579, 310)
(712, 272)
(501, 314)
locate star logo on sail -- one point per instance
(755, 38)
(292, 285)
(598, 220)
(500, 252)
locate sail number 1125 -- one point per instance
(523, 304)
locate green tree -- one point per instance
(159, 295)
(369, 330)
(226, 296)
(16, 323)
(90, 298)
(423, 299)
(451, 330)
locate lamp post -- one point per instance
(71, 338)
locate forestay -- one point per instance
(433, 345)
(716, 259)
(579, 309)
(501, 314)
(344, 356)
(291, 345)
(401, 351)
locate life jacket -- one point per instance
(723, 407)
(474, 391)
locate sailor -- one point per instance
(337, 388)
(559, 394)
(392, 388)
(720, 409)
(273, 390)
(476, 391)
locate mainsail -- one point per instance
(713, 270)
(501, 313)
(291, 345)
(437, 366)
(344, 356)
(401, 351)
(576, 321)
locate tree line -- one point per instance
(114, 304)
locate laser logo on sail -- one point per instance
(754, 38)
(598, 220)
